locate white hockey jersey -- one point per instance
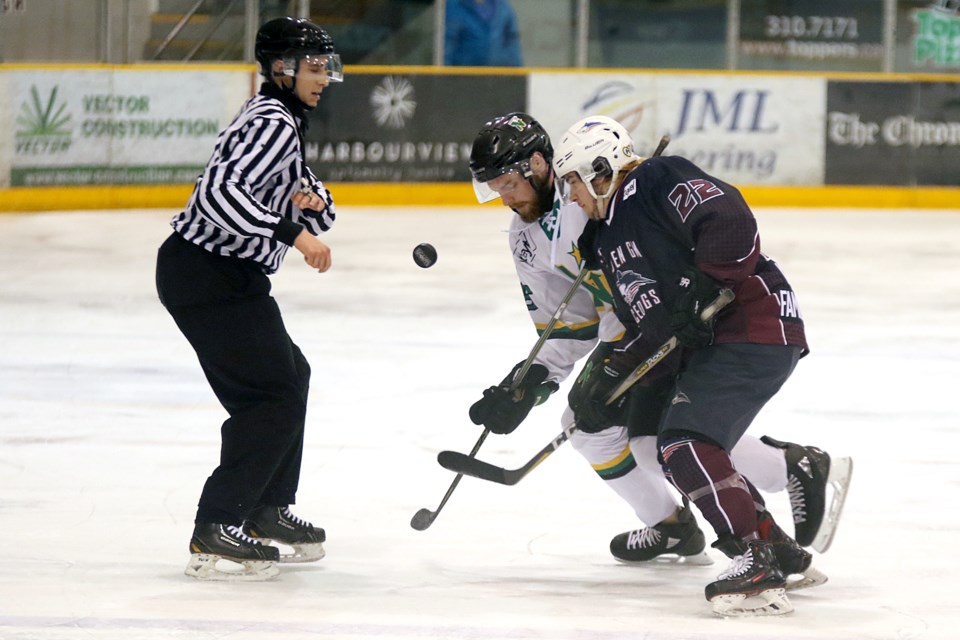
(547, 260)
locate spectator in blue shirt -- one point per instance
(481, 33)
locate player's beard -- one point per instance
(528, 211)
(533, 210)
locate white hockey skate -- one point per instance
(224, 553)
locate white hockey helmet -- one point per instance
(595, 147)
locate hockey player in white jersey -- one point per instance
(511, 160)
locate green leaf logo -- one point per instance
(43, 119)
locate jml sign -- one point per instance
(743, 129)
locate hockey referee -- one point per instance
(255, 199)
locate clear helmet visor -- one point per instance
(329, 63)
(321, 64)
(504, 182)
(583, 175)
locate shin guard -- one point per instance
(704, 473)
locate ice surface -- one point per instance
(108, 430)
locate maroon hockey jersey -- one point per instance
(667, 217)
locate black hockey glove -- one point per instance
(502, 410)
(588, 397)
(698, 291)
(587, 246)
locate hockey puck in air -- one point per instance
(425, 255)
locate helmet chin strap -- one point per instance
(601, 200)
(289, 72)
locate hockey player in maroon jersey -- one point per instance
(511, 161)
(668, 237)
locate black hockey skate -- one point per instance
(794, 561)
(279, 525)
(214, 542)
(752, 585)
(810, 471)
(683, 542)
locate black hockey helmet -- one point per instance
(290, 39)
(507, 143)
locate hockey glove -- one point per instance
(502, 410)
(588, 397)
(587, 246)
(697, 291)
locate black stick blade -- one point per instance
(462, 463)
(422, 519)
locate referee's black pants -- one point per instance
(224, 309)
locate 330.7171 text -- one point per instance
(826, 27)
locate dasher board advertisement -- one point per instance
(405, 127)
(751, 130)
(117, 126)
(893, 133)
(838, 35)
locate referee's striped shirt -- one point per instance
(240, 206)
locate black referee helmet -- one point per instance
(290, 39)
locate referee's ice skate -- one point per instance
(683, 542)
(752, 585)
(212, 545)
(280, 526)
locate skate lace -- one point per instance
(738, 566)
(798, 501)
(238, 533)
(285, 511)
(642, 538)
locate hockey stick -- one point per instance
(456, 461)
(664, 141)
(423, 518)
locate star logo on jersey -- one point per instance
(629, 284)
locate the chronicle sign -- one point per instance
(893, 133)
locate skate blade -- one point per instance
(810, 578)
(771, 602)
(304, 553)
(203, 566)
(841, 470)
(697, 559)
